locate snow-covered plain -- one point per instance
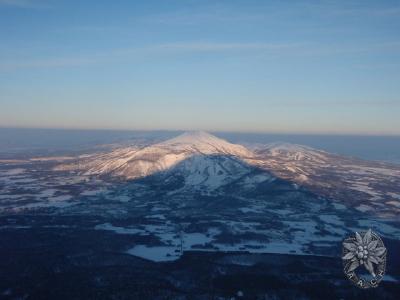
(198, 192)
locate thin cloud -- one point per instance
(22, 3)
(281, 49)
(296, 49)
(46, 63)
(296, 103)
(385, 12)
(92, 29)
(190, 18)
(207, 46)
(18, 3)
(128, 53)
(352, 9)
(324, 49)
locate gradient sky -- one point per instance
(266, 66)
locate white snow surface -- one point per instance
(205, 143)
(296, 152)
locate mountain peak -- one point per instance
(203, 142)
(197, 133)
(194, 137)
(290, 151)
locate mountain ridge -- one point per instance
(131, 162)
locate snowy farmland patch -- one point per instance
(117, 229)
(92, 192)
(60, 198)
(156, 253)
(156, 216)
(47, 193)
(394, 203)
(331, 219)
(38, 205)
(339, 206)
(380, 227)
(364, 208)
(191, 239)
(123, 198)
(12, 172)
(394, 195)
(364, 188)
(251, 209)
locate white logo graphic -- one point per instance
(364, 251)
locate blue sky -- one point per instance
(264, 66)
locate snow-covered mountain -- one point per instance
(373, 186)
(207, 162)
(292, 161)
(202, 158)
(294, 152)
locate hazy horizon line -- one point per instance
(311, 133)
